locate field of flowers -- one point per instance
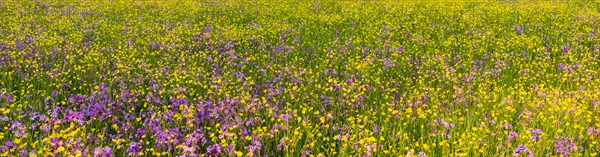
(299, 78)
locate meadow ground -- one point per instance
(299, 78)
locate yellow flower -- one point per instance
(238, 153)
(60, 149)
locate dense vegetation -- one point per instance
(299, 78)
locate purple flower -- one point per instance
(284, 117)
(280, 146)
(520, 149)
(7, 145)
(512, 134)
(134, 148)
(388, 63)
(529, 154)
(506, 126)
(214, 150)
(535, 134)
(54, 93)
(448, 124)
(422, 154)
(565, 48)
(564, 145)
(206, 30)
(103, 152)
(519, 29)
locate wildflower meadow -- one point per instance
(259, 78)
